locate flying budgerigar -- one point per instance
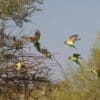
(75, 58)
(46, 53)
(71, 40)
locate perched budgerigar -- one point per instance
(19, 65)
(71, 40)
(75, 58)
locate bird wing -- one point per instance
(76, 55)
(37, 35)
(73, 38)
(18, 66)
(46, 53)
(43, 51)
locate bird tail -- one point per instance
(79, 63)
(73, 46)
(37, 46)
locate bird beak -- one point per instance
(64, 42)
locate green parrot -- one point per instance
(96, 72)
(46, 53)
(19, 65)
(71, 40)
(75, 58)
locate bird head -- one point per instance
(18, 64)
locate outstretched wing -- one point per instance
(73, 38)
(76, 55)
(46, 53)
(37, 35)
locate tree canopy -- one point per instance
(18, 10)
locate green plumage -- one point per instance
(71, 40)
(75, 58)
(46, 53)
(37, 46)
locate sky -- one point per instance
(62, 18)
